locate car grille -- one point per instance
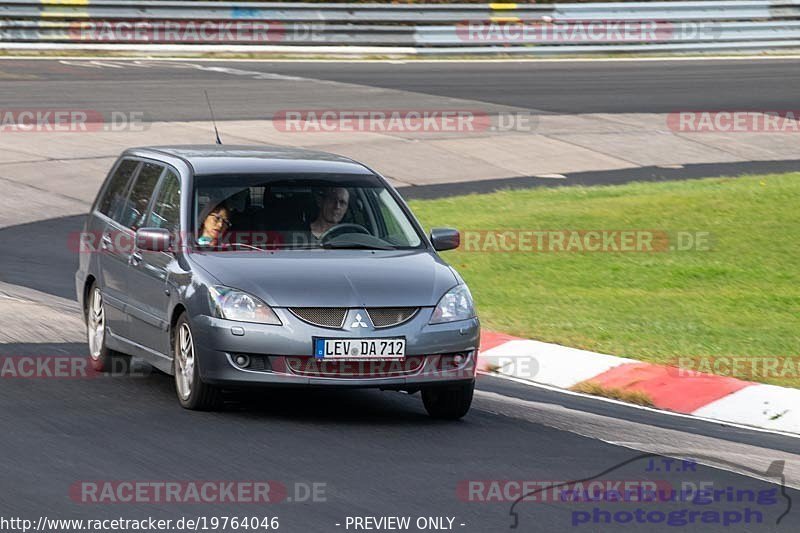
(384, 317)
(326, 317)
(259, 363)
(311, 367)
(333, 317)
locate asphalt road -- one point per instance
(601, 177)
(251, 90)
(371, 453)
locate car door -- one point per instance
(128, 219)
(147, 279)
(114, 245)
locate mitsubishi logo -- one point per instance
(359, 322)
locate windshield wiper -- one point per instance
(272, 247)
(353, 245)
(249, 246)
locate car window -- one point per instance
(393, 218)
(393, 229)
(359, 211)
(135, 208)
(114, 195)
(299, 212)
(167, 207)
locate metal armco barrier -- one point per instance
(444, 29)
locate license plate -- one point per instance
(359, 348)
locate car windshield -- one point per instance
(256, 212)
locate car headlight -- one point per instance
(455, 305)
(237, 305)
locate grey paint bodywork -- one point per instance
(144, 296)
(334, 278)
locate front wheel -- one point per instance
(449, 402)
(192, 392)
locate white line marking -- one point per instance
(106, 64)
(640, 407)
(85, 64)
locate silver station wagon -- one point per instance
(231, 266)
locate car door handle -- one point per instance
(105, 241)
(135, 259)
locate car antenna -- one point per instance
(213, 120)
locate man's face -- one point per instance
(334, 205)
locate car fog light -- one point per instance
(458, 359)
(242, 360)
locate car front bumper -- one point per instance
(435, 354)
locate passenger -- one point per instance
(333, 204)
(216, 221)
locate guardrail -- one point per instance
(444, 29)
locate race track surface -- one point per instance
(173, 91)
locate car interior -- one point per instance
(287, 211)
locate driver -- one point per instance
(332, 203)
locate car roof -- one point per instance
(228, 159)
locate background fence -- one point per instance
(443, 29)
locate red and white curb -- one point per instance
(704, 395)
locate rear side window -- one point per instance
(114, 195)
(167, 207)
(135, 208)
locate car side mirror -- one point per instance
(445, 239)
(153, 239)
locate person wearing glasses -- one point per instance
(216, 221)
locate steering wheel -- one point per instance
(340, 229)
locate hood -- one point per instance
(333, 278)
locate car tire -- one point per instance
(101, 357)
(449, 402)
(193, 393)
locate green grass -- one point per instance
(741, 298)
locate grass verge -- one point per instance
(729, 306)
